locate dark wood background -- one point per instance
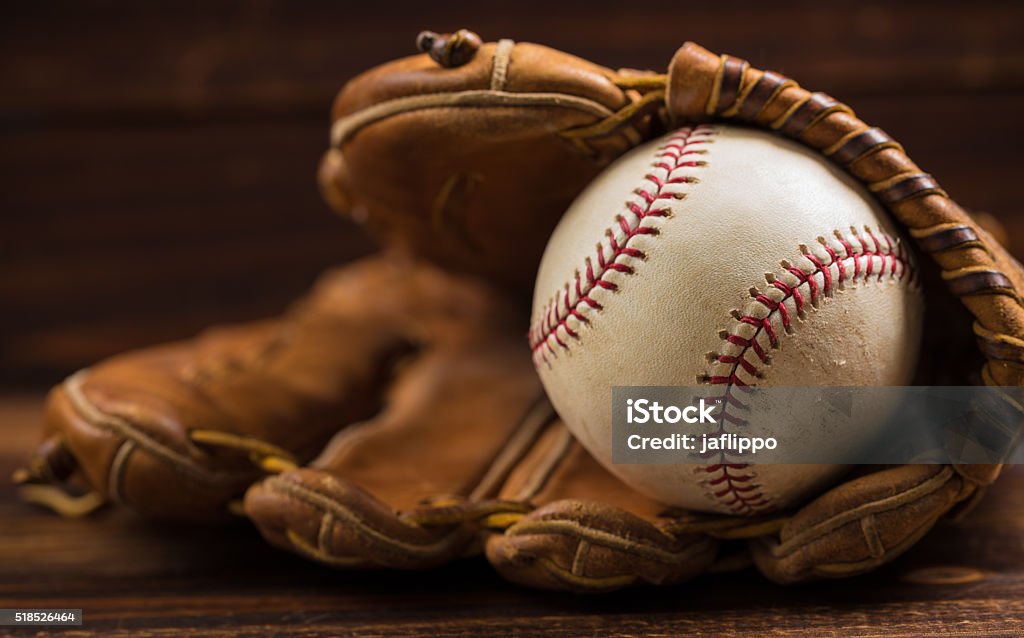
(157, 159)
(156, 175)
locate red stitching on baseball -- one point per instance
(670, 158)
(736, 491)
(739, 492)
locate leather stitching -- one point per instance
(924, 488)
(347, 126)
(423, 544)
(502, 60)
(922, 187)
(115, 476)
(144, 440)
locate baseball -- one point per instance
(727, 256)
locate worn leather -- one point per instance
(471, 166)
(428, 481)
(279, 390)
(441, 178)
(589, 531)
(975, 268)
(455, 418)
(867, 521)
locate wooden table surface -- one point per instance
(134, 578)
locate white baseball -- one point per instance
(728, 256)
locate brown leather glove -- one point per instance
(181, 430)
(870, 519)
(440, 147)
(424, 482)
(468, 156)
(560, 521)
(867, 521)
(404, 490)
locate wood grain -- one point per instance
(157, 175)
(103, 58)
(134, 578)
(157, 159)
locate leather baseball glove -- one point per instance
(468, 155)
(465, 157)
(559, 520)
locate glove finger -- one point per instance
(591, 532)
(332, 521)
(180, 431)
(860, 524)
(130, 459)
(500, 116)
(405, 489)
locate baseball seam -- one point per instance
(816, 274)
(574, 301)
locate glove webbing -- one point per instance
(701, 84)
